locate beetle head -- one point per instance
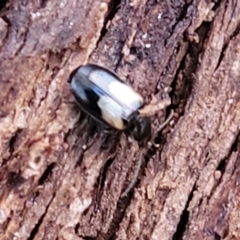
(141, 129)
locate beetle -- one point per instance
(101, 94)
(107, 99)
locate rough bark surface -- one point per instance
(56, 179)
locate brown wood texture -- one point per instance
(57, 181)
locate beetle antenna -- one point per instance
(163, 125)
(134, 178)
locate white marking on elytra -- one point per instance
(124, 93)
(111, 112)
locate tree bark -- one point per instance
(57, 181)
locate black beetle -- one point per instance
(106, 98)
(102, 95)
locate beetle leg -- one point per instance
(109, 138)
